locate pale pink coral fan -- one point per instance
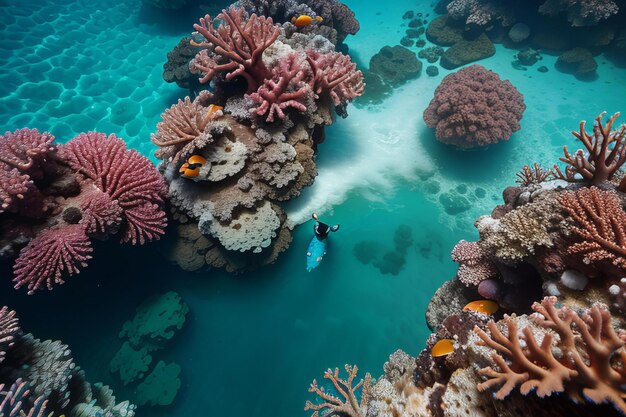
(127, 177)
(51, 254)
(474, 107)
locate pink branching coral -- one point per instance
(474, 265)
(51, 254)
(606, 153)
(588, 360)
(534, 175)
(13, 402)
(8, 327)
(581, 12)
(127, 177)
(286, 89)
(335, 74)
(239, 41)
(600, 223)
(349, 405)
(19, 151)
(474, 107)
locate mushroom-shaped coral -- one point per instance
(474, 107)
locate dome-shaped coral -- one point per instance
(474, 107)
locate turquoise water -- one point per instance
(253, 343)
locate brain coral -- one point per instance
(474, 107)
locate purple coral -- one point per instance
(19, 151)
(581, 12)
(240, 42)
(286, 89)
(51, 254)
(474, 107)
(127, 177)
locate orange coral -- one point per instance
(600, 223)
(585, 367)
(602, 161)
(350, 406)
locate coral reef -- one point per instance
(57, 198)
(45, 381)
(474, 107)
(552, 257)
(386, 260)
(395, 65)
(230, 156)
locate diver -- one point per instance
(322, 229)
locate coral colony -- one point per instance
(532, 324)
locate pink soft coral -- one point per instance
(335, 74)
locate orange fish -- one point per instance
(304, 20)
(214, 108)
(443, 347)
(191, 168)
(487, 307)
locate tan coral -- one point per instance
(348, 405)
(520, 232)
(571, 353)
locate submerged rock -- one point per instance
(577, 61)
(441, 32)
(464, 52)
(396, 65)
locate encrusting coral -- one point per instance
(57, 198)
(230, 156)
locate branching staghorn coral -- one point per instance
(603, 160)
(534, 175)
(600, 223)
(349, 406)
(241, 42)
(578, 362)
